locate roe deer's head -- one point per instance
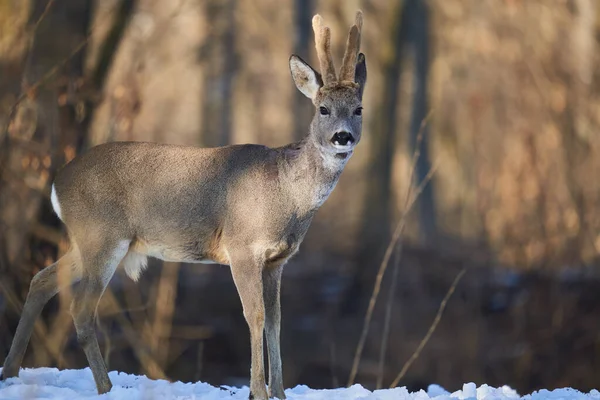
(337, 124)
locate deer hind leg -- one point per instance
(271, 294)
(247, 276)
(99, 265)
(44, 285)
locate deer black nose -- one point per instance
(342, 138)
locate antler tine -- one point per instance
(358, 21)
(323, 45)
(352, 49)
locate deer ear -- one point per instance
(307, 80)
(360, 74)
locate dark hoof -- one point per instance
(8, 372)
(251, 396)
(104, 390)
(4, 376)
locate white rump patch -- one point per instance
(134, 264)
(55, 203)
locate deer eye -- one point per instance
(358, 111)
(323, 110)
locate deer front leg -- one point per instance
(247, 275)
(271, 293)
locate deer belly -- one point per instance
(180, 252)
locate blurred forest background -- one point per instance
(510, 94)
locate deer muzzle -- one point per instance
(343, 139)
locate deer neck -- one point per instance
(310, 173)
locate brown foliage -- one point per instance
(515, 94)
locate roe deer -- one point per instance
(247, 206)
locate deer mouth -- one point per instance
(343, 140)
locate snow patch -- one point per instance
(50, 383)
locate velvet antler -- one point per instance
(323, 44)
(352, 48)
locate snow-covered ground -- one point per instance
(50, 383)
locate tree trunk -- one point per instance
(418, 35)
(303, 11)
(44, 131)
(220, 65)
